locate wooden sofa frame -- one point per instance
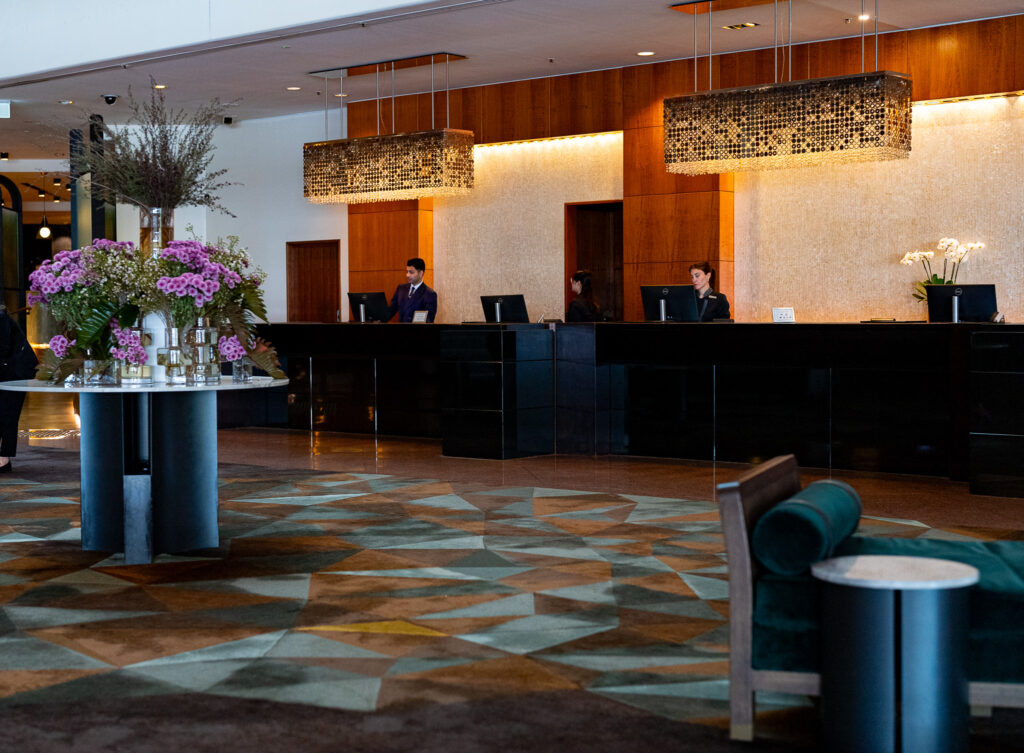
(741, 503)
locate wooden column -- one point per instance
(669, 221)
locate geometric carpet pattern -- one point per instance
(366, 592)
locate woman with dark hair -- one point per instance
(583, 307)
(17, 361)
(710, 305)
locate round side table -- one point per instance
(893, 639)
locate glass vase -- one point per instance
(174, 358)
(102, 372)
(140, 373)
(241, 371)
(202, 344)
(156, 228)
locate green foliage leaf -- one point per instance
(93, 330)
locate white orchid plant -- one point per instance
(954, 253)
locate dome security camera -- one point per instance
(110, 98)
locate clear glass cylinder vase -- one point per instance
(102, 372)
(202, 344)
(156, 228)
(140, 373)
(241, 370)
(174, 358)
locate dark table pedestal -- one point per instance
(893, 639)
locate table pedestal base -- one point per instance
(149, 473)
(893, 675)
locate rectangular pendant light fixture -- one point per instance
(391, 167)
(860, 118)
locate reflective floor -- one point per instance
(375, 576)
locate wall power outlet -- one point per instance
(783, 315)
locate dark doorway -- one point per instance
(314, 281)
(593, 240)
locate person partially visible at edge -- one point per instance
(17, 361)
(710, 305)
(415, 295)
(584, 307)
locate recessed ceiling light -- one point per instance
(159, 86)
(744, 25)
(4, 156)
(294, 88)
(56, 181)
(341, 95)
(66, 102)
(863, 17)
(645, 54)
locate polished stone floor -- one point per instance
(363, 575)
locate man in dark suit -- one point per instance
(415, 295)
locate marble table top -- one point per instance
(35, 385)
(894, 572)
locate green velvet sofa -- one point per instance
(774, 600)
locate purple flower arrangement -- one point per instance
(128, 345)
(191, 280)
(60, 274)
(92, 291)
(230, 348)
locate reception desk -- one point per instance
(934, 399)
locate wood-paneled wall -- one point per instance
(669, 221)
(382, 237)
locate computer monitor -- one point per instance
(369, 307)
(504, 308)
(976, 303)
(680, 303)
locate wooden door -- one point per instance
(593, 240)
(314, 281)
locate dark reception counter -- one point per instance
(936, 399)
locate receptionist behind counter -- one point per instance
(710, 305)
(415, 295)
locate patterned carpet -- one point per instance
(369, 593)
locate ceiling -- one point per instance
(503, 40)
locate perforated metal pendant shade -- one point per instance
(389, 168)
(858, 118)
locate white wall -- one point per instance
(508, 235)
(827, 240)
(265, 158)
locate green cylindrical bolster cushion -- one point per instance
(807, 527)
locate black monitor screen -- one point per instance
(680, 303)
(513, 308)
(375, 307)
(977, 303)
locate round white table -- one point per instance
(893, 640)
(149, 464)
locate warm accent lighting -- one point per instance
(44, 229)
(391, 167)
(645, 54)
(969, 98)
(4, 156)
(294, 88)
(739, 27)
(159, 86)
(859, 118)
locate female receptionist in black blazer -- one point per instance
(710, 305)
(583, 307)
